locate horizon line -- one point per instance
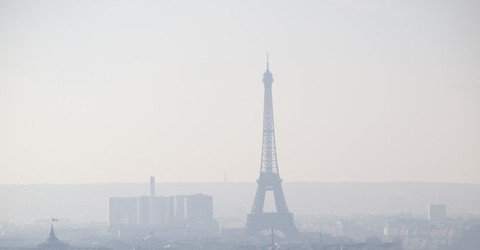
(238, 182)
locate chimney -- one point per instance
(152, 186)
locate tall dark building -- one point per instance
(269, 179)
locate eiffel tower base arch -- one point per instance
(257, 223)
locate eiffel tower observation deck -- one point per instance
(269, 178)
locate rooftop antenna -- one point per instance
(436, 198)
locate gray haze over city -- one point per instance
(164, 124)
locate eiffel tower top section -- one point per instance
(269, 152)
(267, 76)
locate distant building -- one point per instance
(52, 242)
(114, 211)
(123, 211)
(130, 213)
(180, 207)
(170, 210)
(159, 206)
(437, 212)
(144, 210)
(192, 211)
(174, 210)
(179, 219)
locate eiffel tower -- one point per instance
(269, 179)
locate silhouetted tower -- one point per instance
(269, 179)
(52, 242)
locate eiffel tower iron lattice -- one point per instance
(269, 179)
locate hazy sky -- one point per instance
(116, 91)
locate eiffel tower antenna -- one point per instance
(269, 177)
(267, 62)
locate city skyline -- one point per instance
(275, 124)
